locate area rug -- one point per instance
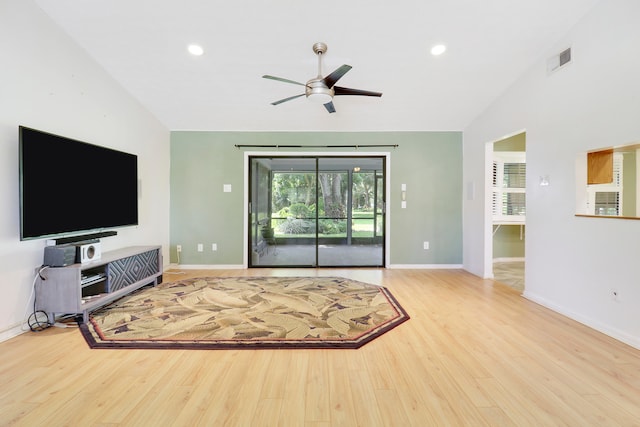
(247, 313)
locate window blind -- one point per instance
(509, 186)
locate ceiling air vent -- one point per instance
(559, 60)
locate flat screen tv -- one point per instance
(68, 186)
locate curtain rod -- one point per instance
(315, 146)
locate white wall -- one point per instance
(49, 83)
(572, 264)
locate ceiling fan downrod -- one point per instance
(317, 90)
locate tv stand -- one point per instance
(83, 288)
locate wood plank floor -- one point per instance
(474, 353)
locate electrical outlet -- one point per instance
(200, 247)
(179, 248)
(425, 245)
(214, 246)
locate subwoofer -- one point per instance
(88, 251)
(59, 256)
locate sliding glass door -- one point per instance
(316, 211)
(282, 197)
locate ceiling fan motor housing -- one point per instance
(317, 91)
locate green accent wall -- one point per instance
(513, 143)
(429, 163)
(507, 242)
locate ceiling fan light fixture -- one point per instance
(319, 98)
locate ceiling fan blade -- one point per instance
(348, 91)
(287, 99)
(280, 79)
(332, 78)
(329, 106)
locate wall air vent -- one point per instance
(559, 60)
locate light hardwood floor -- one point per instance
(474, 353)
(510, 273)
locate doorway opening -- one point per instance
(316, 211)
(508, 209)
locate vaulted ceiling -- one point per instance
(143, 45)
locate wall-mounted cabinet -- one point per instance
(600, 167)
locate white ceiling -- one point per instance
(142, 44)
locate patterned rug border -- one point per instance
(253, 344)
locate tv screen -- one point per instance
(69, 186)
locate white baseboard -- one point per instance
(13, 331)
(240, 267)
(622, 336)
(514, 259)
(205, 267)
(426, 266)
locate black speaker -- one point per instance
(59, 256)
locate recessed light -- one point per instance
(195, 49)
(438, 49)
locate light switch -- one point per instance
(227, 188)
(404, 204)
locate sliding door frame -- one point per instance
(387, 174)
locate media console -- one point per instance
(82, 288)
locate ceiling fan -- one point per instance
(322, 89)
